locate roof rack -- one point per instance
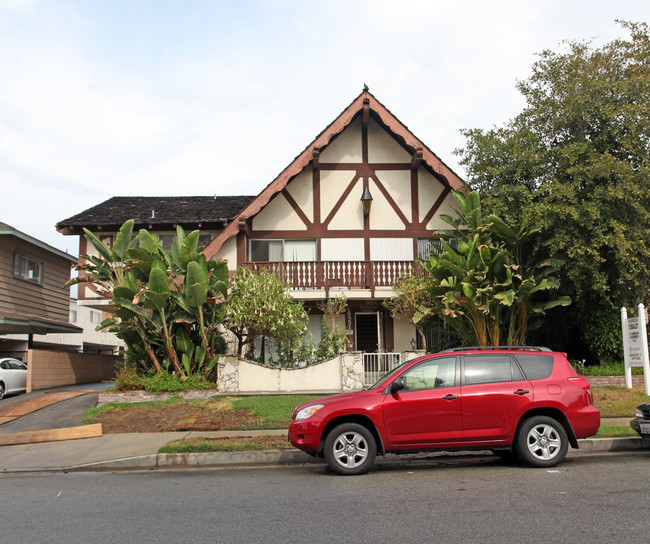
(493, 348)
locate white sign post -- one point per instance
(635, 346)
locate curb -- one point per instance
(295, 457)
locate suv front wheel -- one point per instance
(350, 449)
(542, 441)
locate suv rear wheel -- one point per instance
(350, 449)
(542, 441)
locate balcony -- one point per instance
(340, 275)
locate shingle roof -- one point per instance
(208, 211)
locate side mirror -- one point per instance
(396, 386)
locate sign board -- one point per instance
(635, 346)
(634, 351)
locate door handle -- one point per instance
(522, 392)
(450, 397)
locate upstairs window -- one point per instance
(28, 269)
(282, 250)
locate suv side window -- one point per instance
(431, 374)
(536, 367)
(491, 368)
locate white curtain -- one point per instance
(299, 250)
(275, 251)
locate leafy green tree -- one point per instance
(259, 305)
(478, 283)
(165, 303)
(411, 294)
(574, 163)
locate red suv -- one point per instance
(523, 402)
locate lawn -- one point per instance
(274, 412)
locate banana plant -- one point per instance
(479, 282)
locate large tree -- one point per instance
(574, 163)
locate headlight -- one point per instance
(307, 412)
(638, 413)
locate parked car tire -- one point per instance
(542, 442)
(2, 390)
(350, 449)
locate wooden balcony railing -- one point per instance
(339, 274)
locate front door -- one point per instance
(367, 332)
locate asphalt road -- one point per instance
(588, 499)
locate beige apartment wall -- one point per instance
(278, 215)
(50, 368)
(228, 251)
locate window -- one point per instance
(427, 246)
(28, 269)
(431, 374)
(73, 316)
(536, 367)
(490, 369)
(95, 317)
(282, 250)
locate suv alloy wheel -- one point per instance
(542, 441)
(350, 449)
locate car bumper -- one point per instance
(305, 435)
(641, 426)
(585, 422)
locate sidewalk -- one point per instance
(139, 451)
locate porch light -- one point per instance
(366, 201)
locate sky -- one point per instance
(196, 97)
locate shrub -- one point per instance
(128, 379)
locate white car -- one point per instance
(13, 376)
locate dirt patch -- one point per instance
(175, 417)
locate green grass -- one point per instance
(205, 445)
(613, 401)
(615, 431)
(274, 411)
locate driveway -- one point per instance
(66, 413)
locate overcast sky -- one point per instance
(190, 97)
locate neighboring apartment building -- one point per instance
(33, 298)
(347, 217)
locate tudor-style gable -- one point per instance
(318, 196)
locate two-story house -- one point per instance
(348, 216)
(33, 299)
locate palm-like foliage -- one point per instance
(165, 303)
(479, 282)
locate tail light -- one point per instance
(583, 382)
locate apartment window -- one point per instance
(427, 246)
(73, 316)
(28, 269)
(95, 317)
(283, 250)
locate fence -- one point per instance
(377, 365)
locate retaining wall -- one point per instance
(603, 381)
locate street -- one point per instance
(589, 498)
